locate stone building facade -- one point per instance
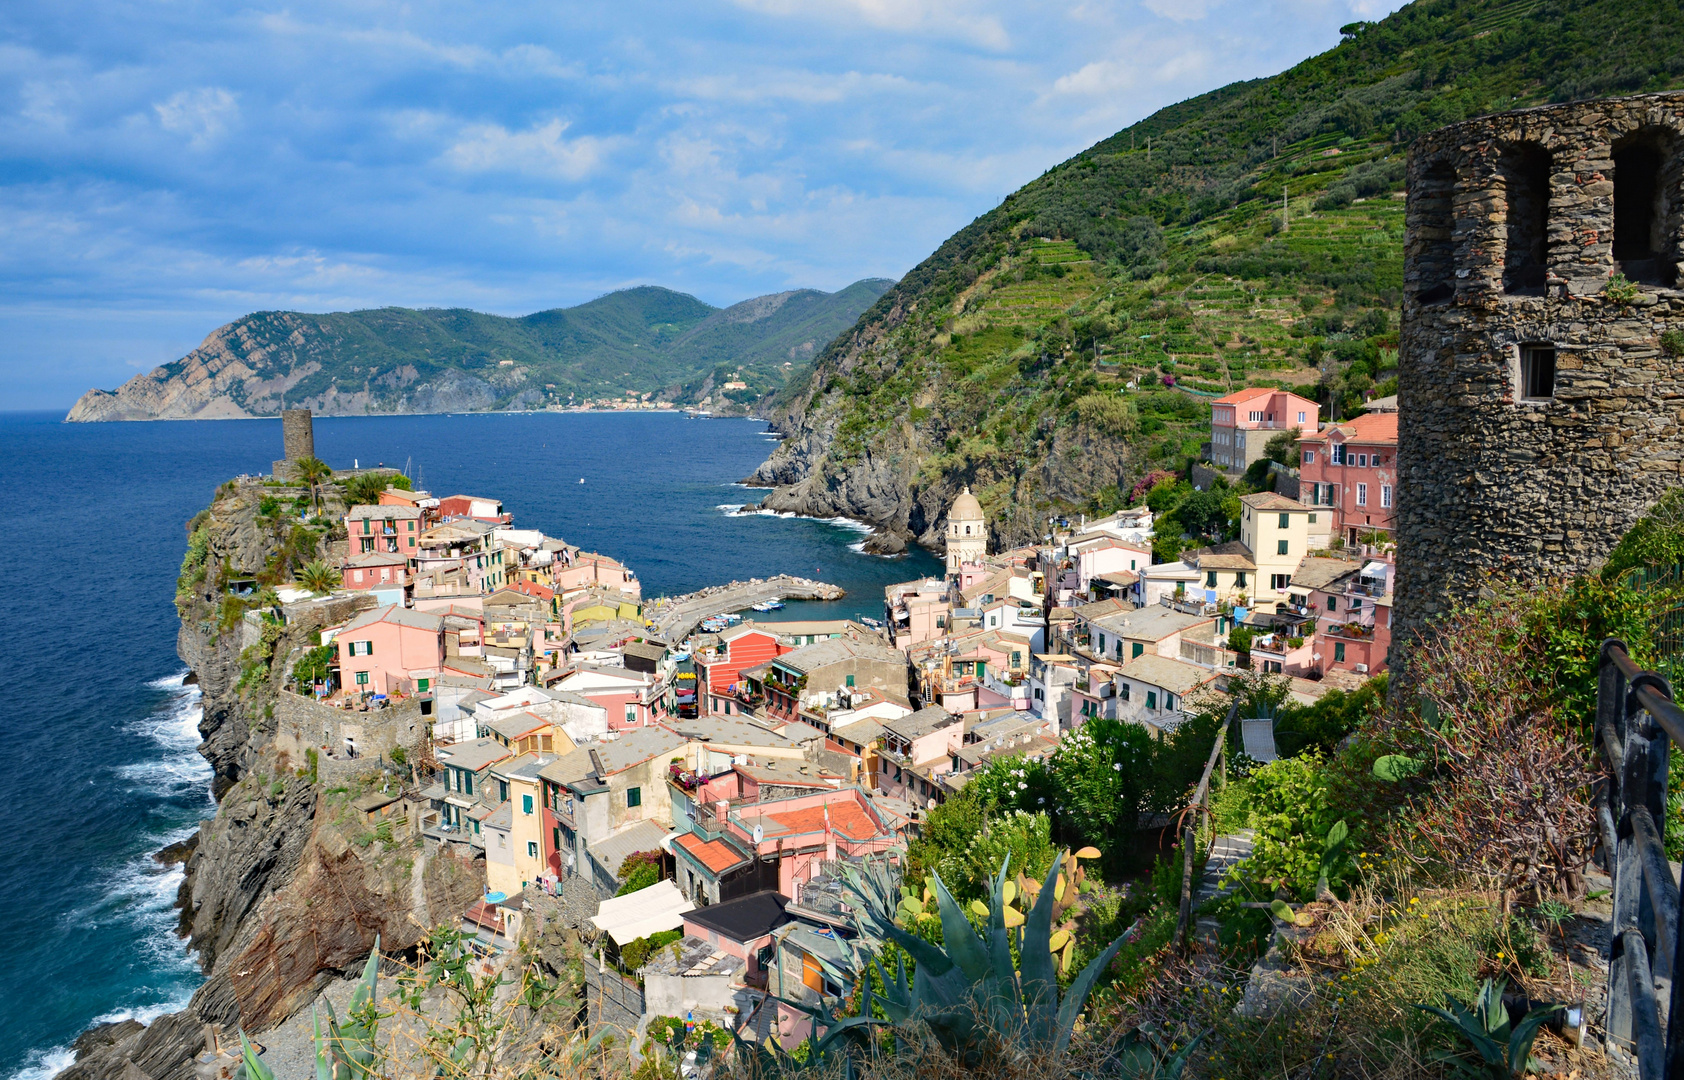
(1539, 406)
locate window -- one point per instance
(1286, 521)
(634, 797)
(1239, 575)
(1151, 699)
(1280, 582)
(467, 782)
(850, 680)
(1102, 643)
(1362, 461)
(412, 526)
(1309, 457)
(1525, 171)
(502, 791)
(362, 648)
(362, 678)
(423, 684)
(526, 804)
(1169, 701)
(631, 713)
(1385, 495)
(1333, 603)
(532, 849)
(1137, 650)
(1300, 416)
(1639, 221)
(1362, 494)
(1336, 453)
(1210, 579)
(1338, 652)
(1312, 519)
(1280, 547)
(1123, 690)
(1537, 372)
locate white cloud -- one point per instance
(938, 18)
(1176, 10)
(203, 115)
(538, 151)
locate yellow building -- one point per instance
(514, 843)
(1276, 530)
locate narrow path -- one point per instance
(1225, 853)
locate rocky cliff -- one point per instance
(287, 886)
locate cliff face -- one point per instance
(287, 886)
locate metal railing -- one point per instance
(1635, 721)
(1199, 807)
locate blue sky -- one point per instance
(169, 165)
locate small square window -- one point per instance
(1537, 372)
(1280, 548)
(1286, 521)
(1312, 519)
(634, 797)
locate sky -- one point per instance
(167, 166)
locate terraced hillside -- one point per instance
(1069, 340)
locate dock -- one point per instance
(677, 617)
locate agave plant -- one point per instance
(1504, 1049)
(968, 991)
(345, 1051)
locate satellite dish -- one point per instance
(759, 834)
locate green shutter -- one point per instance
(1138, 649)
(526, 804)
(1338, 652)
(634, 797)
(1151, 699)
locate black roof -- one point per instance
(752, 916)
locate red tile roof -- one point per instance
(716, 855)
(846, 818)
(1374, 427)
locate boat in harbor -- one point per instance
(773, 604)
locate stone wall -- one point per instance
(1511, 244)
(301, 723)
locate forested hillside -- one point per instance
(1062, 344)
(645, 340)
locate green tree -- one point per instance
(313, 471)
(319, 577)
(1204, 513)
(1283, 447)
(1104, 771)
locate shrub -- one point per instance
(637, 953)
(640, 870)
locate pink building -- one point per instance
(1243, 422)
(632, 699)
(386, 650)
(387, 530)
(376, 570)
(1352, 468)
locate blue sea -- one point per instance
(101, 731)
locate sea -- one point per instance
(101, 734)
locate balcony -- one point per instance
(1349, 631)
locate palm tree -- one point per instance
(319, 577)
(313, 471)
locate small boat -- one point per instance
(773, 604)
(581, 479)
(875, 624)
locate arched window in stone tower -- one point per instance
(1642, 239)
(1525, 170)
(1434, 226)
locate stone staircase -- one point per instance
(1225, 852)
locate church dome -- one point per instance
(965, 507)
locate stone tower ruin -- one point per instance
(1539, 408)
(298, 440)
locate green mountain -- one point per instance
(646, 340)
(1070, 340)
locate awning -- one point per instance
(647, 911)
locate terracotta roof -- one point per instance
(1242, 395)
(1374, 427)
(846, 819)
(1268, 500)
(716, 855)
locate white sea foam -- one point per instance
(45, 1064)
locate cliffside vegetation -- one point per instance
(1251, 236)
(645, 340)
